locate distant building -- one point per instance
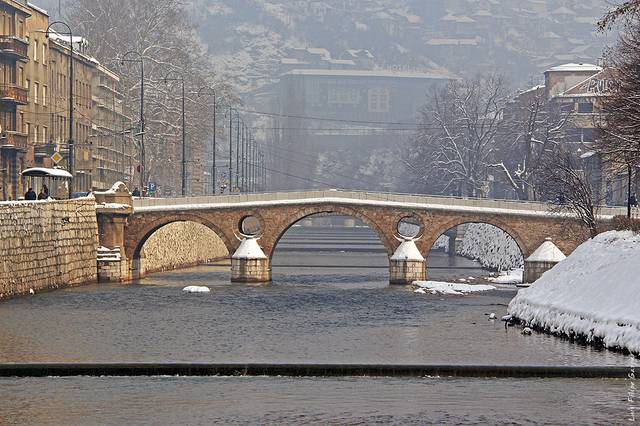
(348, 113)
(112, 133)
(577, 90)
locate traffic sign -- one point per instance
(56, 157)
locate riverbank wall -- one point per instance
(182, 245)
(47, 245)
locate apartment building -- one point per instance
(13, 57)
(112, 133)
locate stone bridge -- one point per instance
(126, 224)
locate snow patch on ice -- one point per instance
(436, 287)
(594, 293)
(196, 289)
(515, 276)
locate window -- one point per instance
(36, 90)
(44, 54)
(585, 107)
(35, 134)
(35, 50)
(27, 130)
(45, 134)
(379, 100)
(343, 95)
(44, 95)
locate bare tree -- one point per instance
(620, 122)
(161, 31)
(531, 128)
(456, 139)
(570, 187)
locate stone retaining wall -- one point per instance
(46, 245)
(180, 245)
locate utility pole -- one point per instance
(72, 151)
(143, 164)
(237, 149)
(230, 147)
(184, 130)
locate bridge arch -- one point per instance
(385, 236)
(136, 244)
(441, 229)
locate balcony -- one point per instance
(14, 47)
(13, 93)
(15, 140)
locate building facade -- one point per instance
(339, 127)
(14, 54)
(112, 133)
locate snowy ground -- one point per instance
(514, 276)
(436, 287)
(594, 294)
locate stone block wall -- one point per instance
(406, 271)
(180, 245)
(46, 245)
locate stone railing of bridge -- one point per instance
(485, 203)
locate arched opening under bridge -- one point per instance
(180, 244)
(475, 252)
(335, 248)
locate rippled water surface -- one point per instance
(330, 302)
(233, 400)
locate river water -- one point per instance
(330, 302)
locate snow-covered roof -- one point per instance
(292, 61)
(575, 68)
(46, 172)
(37, 8)
(547, 252)
(341, 61)
(369, 73)
(407, 251)
(453, 41)
(249, 249)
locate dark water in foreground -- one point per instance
(308, 314)
(273, 400)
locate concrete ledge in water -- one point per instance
(309, 370)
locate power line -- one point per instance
(335, 120)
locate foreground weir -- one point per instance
(309, 370)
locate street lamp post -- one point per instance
(238, 148)
(180, 77)
(72, 152)
(213, 149)
(143, 165)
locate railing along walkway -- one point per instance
(360, 195)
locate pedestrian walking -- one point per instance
(30, 195)
(45, 189)
(136, 192)
(42, 195)
(633, 201)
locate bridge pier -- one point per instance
(407, 264)
(249, 264)
(544, 258)
(113, 208)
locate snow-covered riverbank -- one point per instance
(594, 294)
